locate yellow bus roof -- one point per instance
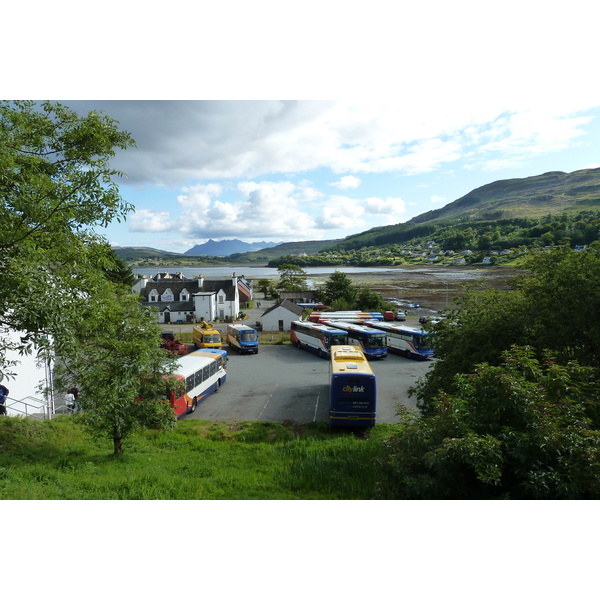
(349, 359)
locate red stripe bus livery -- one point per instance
(199, 374)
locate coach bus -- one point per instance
(200, 373)
(316, 337)
(352, 388)
(407, 341)
(242, 338)
(346, 315)
(373, 342)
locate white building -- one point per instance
(181, 300)
(280, 316)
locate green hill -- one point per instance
(552, 193)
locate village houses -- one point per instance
(181, 300)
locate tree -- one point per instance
(552, 306)
(368, 300)
(114, 355)
(63, 287)
(292, 278)
(56, 186)
(339, 291)
(519, 430)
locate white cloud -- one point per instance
(265, 210)
(149, 221)
(209, 140)
(343, 213)
(348, 182)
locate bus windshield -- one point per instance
(377, 341)
(422, 342)
(338, 339)
(211, 338)
(248, 336)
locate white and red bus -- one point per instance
(346, 315)
(316, 337)
(200, 374)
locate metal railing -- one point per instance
(29, 407)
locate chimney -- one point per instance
(200, 281)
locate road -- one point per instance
(282, 382)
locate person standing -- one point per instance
(3, 397)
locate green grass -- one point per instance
(198, 460)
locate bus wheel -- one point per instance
(194, 405)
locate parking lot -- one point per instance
(282, 382)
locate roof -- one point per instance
(297, 310)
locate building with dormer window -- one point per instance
(180, 300)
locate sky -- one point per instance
(282, 171)
(255, 124)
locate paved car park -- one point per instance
(283, 382)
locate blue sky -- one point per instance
(422, 104)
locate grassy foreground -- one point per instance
(58, 460)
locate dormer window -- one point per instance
(184, 296)
(153, 296)
(168, 296)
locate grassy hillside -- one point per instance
(535, 197)
(58, 460)
(289, 248)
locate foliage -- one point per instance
(553, 306)
(339, 291)
(56, 185)
(370, 301)
(292, 278)
(114, 355)
(63, 287)
(519, 430)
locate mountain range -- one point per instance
(227, 247)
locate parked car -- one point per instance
(425, 319)
(400, 316)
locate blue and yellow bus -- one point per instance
(407, 341)
(316, 337)
(242, 338)
(373, 342)
(352, 388)
(198, 374)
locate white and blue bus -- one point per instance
(411, 342)
(200, 374)
(242, 338)
(352, 388)
(316, 337)
(373, 342)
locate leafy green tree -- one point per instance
(292, 278)
(56, 186)
(552, 306)
(113, 353)
(339, 289)
(369, 300)
(519, 430)
(63, 287)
